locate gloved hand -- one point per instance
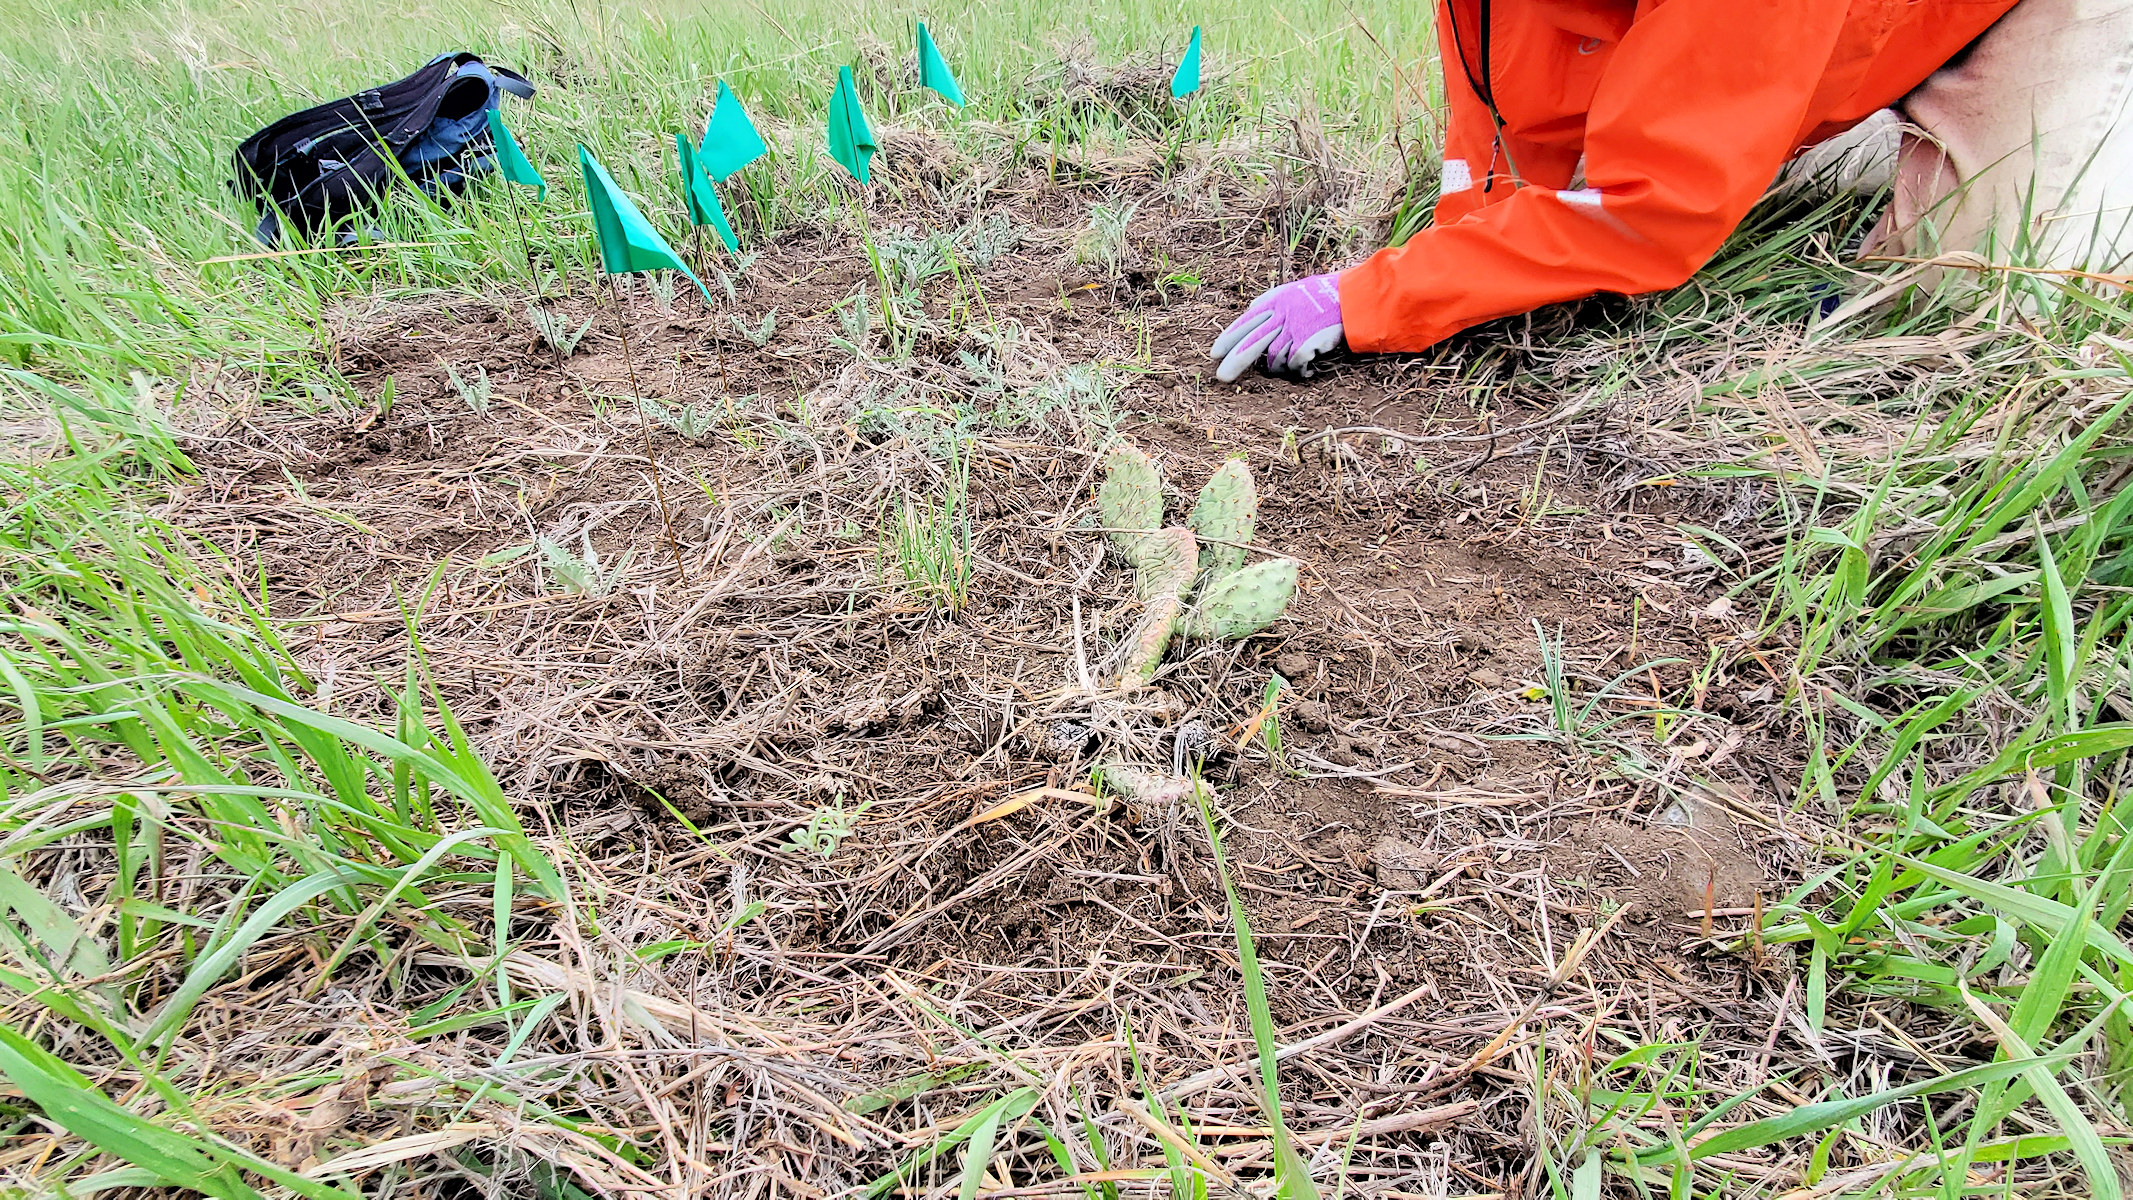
(1293, 323)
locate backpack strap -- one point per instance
(504, 77)
(512, 82)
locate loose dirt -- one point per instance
(783, 716)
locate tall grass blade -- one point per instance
(70, 1100)
(218, 962)
(1293, 1178)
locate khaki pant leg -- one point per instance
(2022, 148)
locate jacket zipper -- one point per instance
(1484, 87)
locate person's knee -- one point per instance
(2025, 144)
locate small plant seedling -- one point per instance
(385, 399)
(473, 393)
(758, 335)
(1103, 243)
(929, 556)
(554, 329)
(662, 285)
(825, 830)
(856, 318)
(1084, 388)
(580, 574)
(985, 374)
(984, 241)
(693, 421)
(929, 540)
(725, 278)
(1270, 729)
(903, 315)
(739, 416)
(909, 259)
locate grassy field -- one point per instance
(125, 125)
(277, 922)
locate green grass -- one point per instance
(928, 539)
(133, 668)
(119, 134)
(1979, 673)
(1292, 1179)
(1949, 586)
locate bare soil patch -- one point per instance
(1429, 837)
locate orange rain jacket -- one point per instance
(1681, 111)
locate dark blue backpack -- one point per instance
(316, 168)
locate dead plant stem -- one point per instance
(644, 427)
(533, 277)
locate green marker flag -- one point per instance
(628, 243)
(1187, 79)
(511, 160)
(701, 194)
(933, 70)
(850, 141)
(730, 140)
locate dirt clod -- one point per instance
(1311, 716)
(1296, 668)
(1399, 864)
(1473, 641)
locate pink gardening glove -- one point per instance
(1293, 324)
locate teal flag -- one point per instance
(933, 70)
(850, 141)
(511, 160)
(701, 194)
(628, 243)
(730, 139)
(1187, 79)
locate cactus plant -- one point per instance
(1244, 602)
(1235, 601)
(1131, 499)
(1224, 517)
(1150, 638)
(1168, 563)
(1152, 788)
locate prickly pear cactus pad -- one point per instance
(1169, 558)
(1244, 602)
(1224, 517)
(1149, 641)
(1131, 499)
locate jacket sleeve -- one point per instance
(1701, 103)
